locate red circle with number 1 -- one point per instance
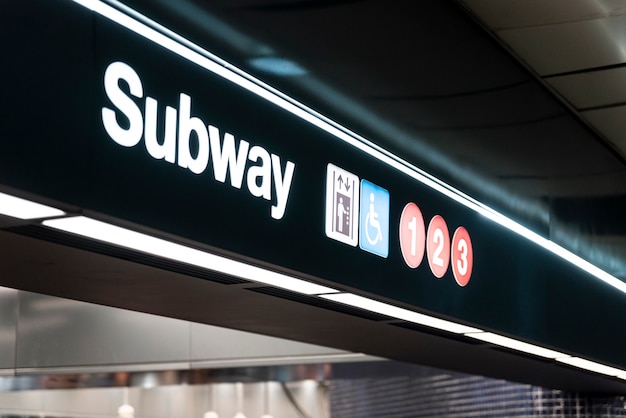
(462, 256)
(438, 246)
(412, 235)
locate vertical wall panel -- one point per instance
(223, 344)
(8, 319)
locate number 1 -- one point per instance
(413, 228)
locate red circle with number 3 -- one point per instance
(438, 246)
(462, 256)
(412, 235)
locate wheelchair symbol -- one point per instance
(371, 221)
(374, 219)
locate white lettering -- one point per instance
(263, 172)
(177, 145)
(225, 159)
(186, 125)
(126, 137)
(166, 150)
(282, 186)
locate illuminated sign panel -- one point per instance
(134, 131)
(412, 235)
(438, 246)
(462, 256)
(374, 219)
(342, 205)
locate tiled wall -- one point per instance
(444, 394)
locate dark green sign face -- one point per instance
(104, 119)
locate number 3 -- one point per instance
(461, 264)
(462, 256)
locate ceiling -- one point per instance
(574, 47)
(515, 102)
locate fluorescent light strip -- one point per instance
(453, 327)
(549, 354)
(516, 345)
(123, 237)
(593, 367)
(280, 360)
(184, 48)
(399, 313)
(17, 207)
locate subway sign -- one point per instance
(187, 141)
(141, 131)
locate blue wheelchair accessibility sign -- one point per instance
(374, 219)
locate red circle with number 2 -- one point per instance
(438, 246)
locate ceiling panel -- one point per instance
(562, 40)
(538, 142)
(611, 122)
(561, 48)
(508, 14)
(487, 109)
(592, 89)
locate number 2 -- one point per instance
(439, 240)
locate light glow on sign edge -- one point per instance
(16, 207)
(162, 36)
(127, 238)
(517, 345)
(399, 313)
